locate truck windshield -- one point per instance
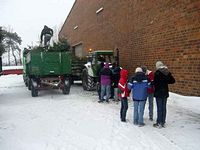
(105, 58)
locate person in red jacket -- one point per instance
(123, 93)
(150, 90)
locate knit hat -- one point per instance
(138, 69)
(159, 65)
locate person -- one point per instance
(112, 84)
(101, 65)
(150, 90)
(106, 78)
(101, 58)
(116, 78)
(46, 34)
(162, 77)
(123, 94)
(138, 86)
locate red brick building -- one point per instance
(144, 31)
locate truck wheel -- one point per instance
(26, 84)
(34, 91)
(66, 88)
(87, 81)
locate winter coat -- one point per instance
(162, 78)
(100, 67)
(150, 76)
(46, 30)
(138, 85)
(106, 75)
(123, 90)
(116, 76)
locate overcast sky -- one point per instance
(28, 17)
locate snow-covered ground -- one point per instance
(54, 121)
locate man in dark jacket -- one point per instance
(47, 33)
(115, 79)
(162, 78)
(100, 67)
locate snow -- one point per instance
(11, 67)
(54, 121)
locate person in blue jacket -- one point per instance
(138, 86)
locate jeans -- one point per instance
(105, 90)
(116, 97)
(99, 90)
(111, 92)
(150, 99)
(47, 38)
(138, 111)
(124, 108)
(161, 110)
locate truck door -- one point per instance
(78, 51)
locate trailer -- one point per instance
(47, 68)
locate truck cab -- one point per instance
(90, 73)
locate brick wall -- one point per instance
(144, 31)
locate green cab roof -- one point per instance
(103, 52)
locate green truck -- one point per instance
(47, 68)
(90, 73)
(87, 68)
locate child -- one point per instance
(123, 93)
(138, 86)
